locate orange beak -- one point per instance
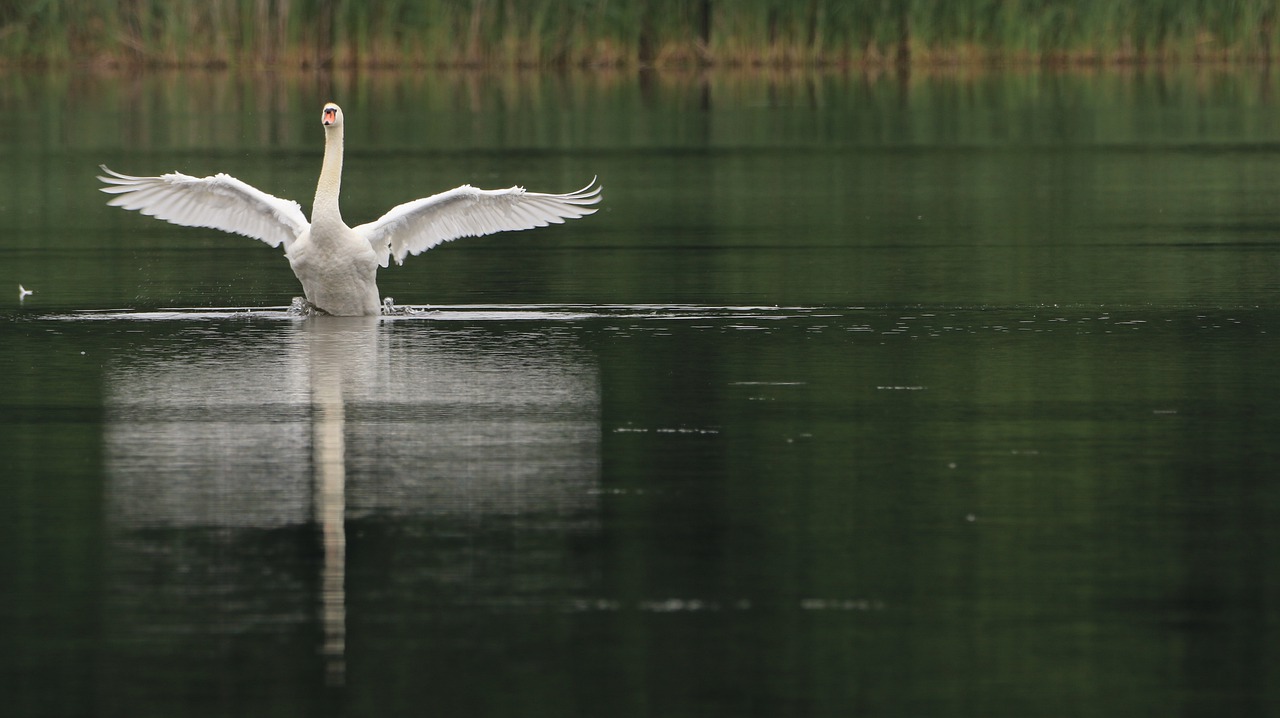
(330, 116)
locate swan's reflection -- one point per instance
(333, 344)
(215, 436)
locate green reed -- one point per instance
(306, 33)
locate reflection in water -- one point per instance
(330, 356)
(313, 424)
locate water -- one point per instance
(952, 397)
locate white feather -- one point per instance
(219, 202)
(414, 227)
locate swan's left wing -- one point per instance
(220, 202)
(414, 227)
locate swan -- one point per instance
(337, 264)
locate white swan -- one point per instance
(337, 264)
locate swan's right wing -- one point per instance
(219, 202)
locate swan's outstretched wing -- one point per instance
(221, 202)
(414, 227)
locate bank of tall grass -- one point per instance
(544, 33)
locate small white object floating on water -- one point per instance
(23, 292)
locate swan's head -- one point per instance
(332, 116)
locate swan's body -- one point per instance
(336, 264)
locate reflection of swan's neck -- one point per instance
(329, 459)
(326, 203)
(331, 507)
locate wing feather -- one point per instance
(219, 202)
(414, 227)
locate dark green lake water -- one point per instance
(954, 396)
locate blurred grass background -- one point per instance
(630, 33)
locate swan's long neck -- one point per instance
(325, 206)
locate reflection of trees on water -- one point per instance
(236, 464)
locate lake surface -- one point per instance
(944, 395)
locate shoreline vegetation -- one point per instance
(326, 34)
